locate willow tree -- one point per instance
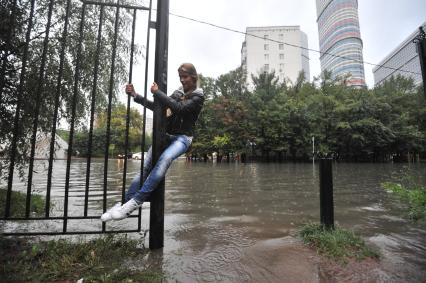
(40, 41)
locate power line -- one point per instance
(293, 45)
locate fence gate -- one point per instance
(65, 63)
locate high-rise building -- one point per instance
(340, 40)
(275, 49)
(403, 60)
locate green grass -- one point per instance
(106, 259)
(413, 195)
(338, 244)
(18, 202)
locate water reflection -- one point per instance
(255, 203)
(233, 222)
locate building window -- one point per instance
(266, 68)
(281, 46)
(281, 67)
(281, 56)
(266, 56)
(266, 36)
(266, 46)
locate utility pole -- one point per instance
(420, 41)
(156, 226)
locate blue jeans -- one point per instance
(178, 145)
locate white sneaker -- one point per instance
(125, 210)
(107, 215)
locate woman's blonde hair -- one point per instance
(189, 69)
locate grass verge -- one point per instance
(18, 202)
(338, 244)
(104, 259)
(413, 195)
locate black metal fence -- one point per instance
(57, 63)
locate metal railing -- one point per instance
(13, 138)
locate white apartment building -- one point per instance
(275, 49)
(149, 121)
(403, 60)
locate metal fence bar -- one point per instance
(18, 110)
(126, 146)
(39, 90)
(55, 112)
(60, 218)
(145, 89)
(73, 110)
(69, 233)
(92, 109)
(108, 130)
(148, 34)
(117, 5)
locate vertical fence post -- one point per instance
(109, 110)
(126, 145)
(326, 193)
(36, 110)
(13, 147)
(73, 114)
(156, 230)
(92, 109)
(150, 25)
(420, 41)
(56, 109)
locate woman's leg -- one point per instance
(136, 183)
(179, 145)
(133, 188)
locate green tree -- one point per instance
(224, 111)
(117, 133)
(232, 84)
(279, 120)
(265, 112)
(34, 88)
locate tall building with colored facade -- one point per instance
(340, 40)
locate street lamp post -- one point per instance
(420, 41)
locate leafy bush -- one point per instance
(414, 195)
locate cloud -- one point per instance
(384, 24)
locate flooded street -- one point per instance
(238, 222)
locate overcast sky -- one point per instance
(384, 24)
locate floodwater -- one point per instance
(234, 222)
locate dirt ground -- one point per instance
(288, 260)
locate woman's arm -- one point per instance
(130, 90)
(193, 103)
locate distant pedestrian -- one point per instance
(183, 109)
